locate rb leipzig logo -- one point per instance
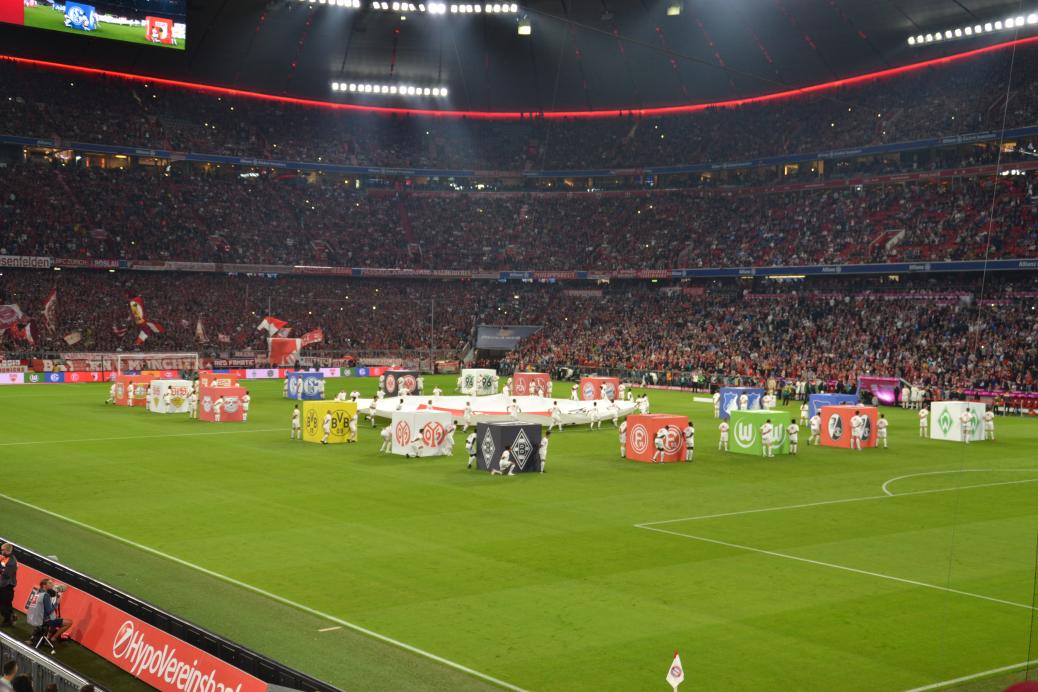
(639, 438)
(402, 433)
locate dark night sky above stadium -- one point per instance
(591, 54)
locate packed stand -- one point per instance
(966, 96)
(148, 213)
(946, 331)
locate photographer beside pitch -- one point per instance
(44, 609)
(8, 580)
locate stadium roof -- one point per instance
(588, 55)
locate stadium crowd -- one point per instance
(949, 331)
(966, 96)
(147, 213)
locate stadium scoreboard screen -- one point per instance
(161, 23)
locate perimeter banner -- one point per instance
(151, 655)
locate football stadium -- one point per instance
(540, 346)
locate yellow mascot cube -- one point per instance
(313, 420)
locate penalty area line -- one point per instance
(975, 676)
(273, 596)
(833, 565)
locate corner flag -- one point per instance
(676, 674)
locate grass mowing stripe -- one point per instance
(976, 676)
(845, 568)
(272, 596)
(139, 437)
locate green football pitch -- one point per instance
(44, 17)
(899, 569)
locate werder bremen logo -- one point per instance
(745, 434)
(944, 421)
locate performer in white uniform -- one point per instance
(857, 430)
(766, 432)
(297, 428)
(793, 430)
(816, 430)
(556, 417)
(690, 440)
(722, 445)
(989, 425)
(924, 422)
(881, 430)
(623, 439)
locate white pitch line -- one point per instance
(139, 437)
(274, 597)
(844, 568)
(942, 473)
(330, 629)
(975, 676)
(647, 524)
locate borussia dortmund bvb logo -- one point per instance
(945, 422)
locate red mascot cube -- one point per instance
(527, 383)
(641, 436)
(591, 388)
(132, 390)
(232, 411)
(836, 425)
(208, 378)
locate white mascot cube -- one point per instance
(420, 433)
(478, 381)
(945, 423)
(179, 391)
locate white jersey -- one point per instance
(341, 396)
(380, 395)
(218, 405)
(643, 405)
(327, 425)
(794, 431)
(354, 395)
(723, 427)
(661, 438)
(744, 401)
(556, 413)
(506, 390)
(881, 427)
(468, 412)
(623, 432)
(690, 436)
(470, 444)
(386, 434)
(966, 419)
(924, 415)
(716, 398)
(989, 420)
(765, 432)
(245, 402)
(816, 424)
(513, 409)
(857, 425)
(544, 448)
(192, 400)
(295, 418)
(437, 391)
(804, 409)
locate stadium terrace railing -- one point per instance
(274, 674)
(41, 670)
(1022, 264)
(679, 169)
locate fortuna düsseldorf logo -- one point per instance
(639, 438)
(672, 443)
(402, 434)
(745, 433)
(433, 434)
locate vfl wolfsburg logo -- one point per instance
(745, 434)
(944, 421)
(778, 434)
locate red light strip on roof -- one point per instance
(515, 115)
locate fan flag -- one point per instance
(50, 310)
(73, 338)
(147, 328)
(271, 325)
(314, 337)
(9, 314)
(22, 332)
(676, 674)
(200, 332)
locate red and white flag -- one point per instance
(73, 338)
(9, 314)
(50, 310)
(313, 337)
(22, 332)
(676, 673)
(223, 338)
(271, 325)
(200, 332)
(147, 328)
